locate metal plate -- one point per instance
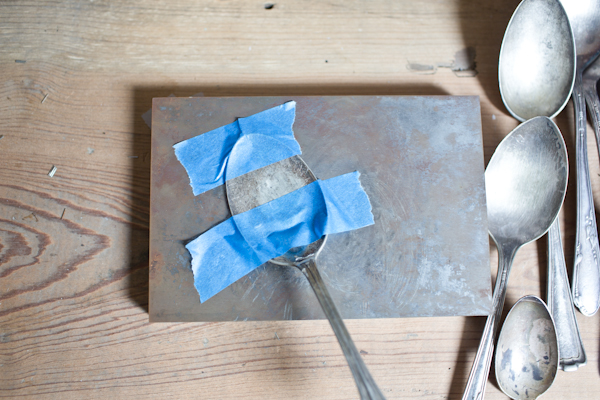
(421, 163)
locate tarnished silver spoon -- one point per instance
(527, 354)
(585, 21)
(536, 76)
(526, 182)
(269, 183)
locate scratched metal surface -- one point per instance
(421, 163)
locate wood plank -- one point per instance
(74, 286)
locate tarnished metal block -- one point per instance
(421, 163)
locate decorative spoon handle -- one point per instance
(475, 389)
(591, 96)
(364, 381)
(560, 304)
(586, 272)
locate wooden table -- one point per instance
(76, 77)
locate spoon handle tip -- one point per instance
(560, 304)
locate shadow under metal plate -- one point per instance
(421, 163)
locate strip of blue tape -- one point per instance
(240, 244)
(238, 148)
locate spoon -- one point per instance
(527, 354)
(526, 181)
(536, 73)
(271, 182)
(585, 21)
(536, 68)
(591, 76)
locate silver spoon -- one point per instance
(585, 21)
(526, 181)
(527, 354)
(536, 73)
(591, 76)
(269, 183)
(536, 68)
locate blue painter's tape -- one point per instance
(237, 246)
(238, 148)
(220, 257)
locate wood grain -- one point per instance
(74, 247)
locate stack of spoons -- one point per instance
(542, 58)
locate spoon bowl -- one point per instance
(584, 17)
(536, 68)
(526, 181)
(527, 355)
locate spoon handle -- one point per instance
(586, 272)
(478, 377)
(364, 381)
(560, 304)
(591, 96)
